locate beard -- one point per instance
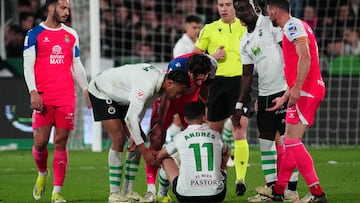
(59, 19)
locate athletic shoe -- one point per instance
(149, 197)
(39, 188)
(259, 198)
(268, 191)
(240, 187)
(117, 197)
(57, 198)
(163, 199)
(313, 198)
(291, 196)
(230, 162)
(133, 196)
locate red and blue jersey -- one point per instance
(53, 52)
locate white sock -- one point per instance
(115, 170)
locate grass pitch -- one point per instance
(87, 177)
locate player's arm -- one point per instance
(303, 66)
(244, 91)
(163, 108)
(79, 72)
(166, 151)
(132, 120)
(29, 55)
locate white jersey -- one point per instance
(200, 150)
(135, 85)
(261, 48)
(183, 46)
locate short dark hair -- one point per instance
(193, 19)
(194, 110)
(199, 64)
(179, 76)
(49, 2)
(282, 4)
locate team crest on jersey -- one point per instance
(260, 33)
(111, 110)
(66, 38)
(140, 94)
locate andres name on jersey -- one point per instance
(199, 134)
(57, 57)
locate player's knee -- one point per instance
(156, 142)
(267, 135)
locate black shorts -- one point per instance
(270, 121)
(195, 199)
(223, 95)
(107, 109)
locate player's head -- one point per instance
(199, 66)
(277, 7)
(192, 26)
(176, 84)
(58, 10)
(245, 11)
(226, 10)
(195, 111)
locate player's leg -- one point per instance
(131, 169)
(164, 185)
(228, 139)
(117, 133)
(157, 140)
(40, 155)
(241, 156)
(290, 193)
(64, 122)
(42, 124)
(60, 163)
(112, 117)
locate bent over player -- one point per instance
(120, 97)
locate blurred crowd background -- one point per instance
(146, 30)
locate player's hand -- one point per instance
(150, 157)
(256, 106)
(132, 145)
(279, 101)
(86, 94)
(36, 101)
(236, 117)
(219, 53)
(294, 95)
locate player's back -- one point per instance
(124, 82)
(200, 151)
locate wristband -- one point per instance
(239, 105)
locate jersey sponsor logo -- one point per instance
(56, 57)
(204, 182)
(140, 94)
